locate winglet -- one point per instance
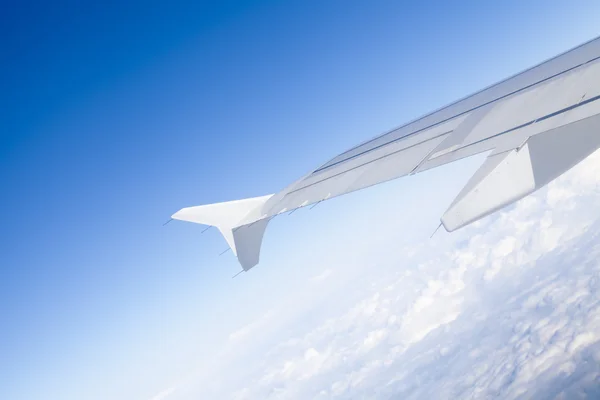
(240, 222)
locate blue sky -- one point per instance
(115, 116)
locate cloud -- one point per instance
(253, 326)
(164, 394)
(508, 307)
(322, 276)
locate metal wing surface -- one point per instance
(554, 94)
(534, 126)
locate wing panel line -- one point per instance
(370, 162)
(545, 117)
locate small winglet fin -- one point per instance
(240, 222)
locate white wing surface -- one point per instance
(535, 125)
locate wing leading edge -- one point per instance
(535, 125)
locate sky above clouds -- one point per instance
(113, 116)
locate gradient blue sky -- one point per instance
(114, 116)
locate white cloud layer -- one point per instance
(508, 308)
(164, 394)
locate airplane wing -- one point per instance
(535, 126)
